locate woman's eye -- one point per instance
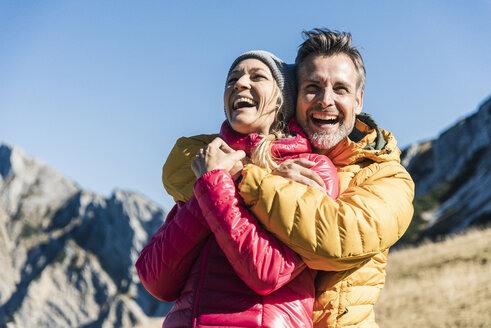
(258, 77)
(231, 80)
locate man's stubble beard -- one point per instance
(326, 140)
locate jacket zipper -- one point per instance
(200, 282)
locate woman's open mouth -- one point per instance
(243, 102)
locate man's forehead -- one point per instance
(316, 68)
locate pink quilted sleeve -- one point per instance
(164, 264)
(327, 171)
(259, 259)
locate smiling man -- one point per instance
(329, 98)
(348, 238)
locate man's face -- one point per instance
(328, 99)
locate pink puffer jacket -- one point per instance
(221, 266)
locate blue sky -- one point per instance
(100, 90)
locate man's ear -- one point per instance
(359, 103)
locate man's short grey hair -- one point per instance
(325, 42)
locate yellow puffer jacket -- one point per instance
(347, 238)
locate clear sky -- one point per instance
(100, 90)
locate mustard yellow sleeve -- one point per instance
(333, 235)
(177, 176)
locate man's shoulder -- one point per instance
(177, 175)
(195, 141)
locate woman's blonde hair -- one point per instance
(262, 155)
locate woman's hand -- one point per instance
(217, 155)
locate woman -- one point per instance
(211, 255)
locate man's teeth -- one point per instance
(324, 116)
(244, 100)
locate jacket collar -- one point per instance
(297, 143)
(367, 141)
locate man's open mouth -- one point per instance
(320, 118)
(243, 102)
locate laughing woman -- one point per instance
(211, 256)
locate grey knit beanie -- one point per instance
(283, 73)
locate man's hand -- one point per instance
(217, 155)
(298, 170)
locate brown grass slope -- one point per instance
(442, 284)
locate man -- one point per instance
(346, 239)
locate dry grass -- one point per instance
(442, 284)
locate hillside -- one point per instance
(441, 284)
(452, 175)
(67, 254)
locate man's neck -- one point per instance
(323, 151)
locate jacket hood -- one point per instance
(366, 141)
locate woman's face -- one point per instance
(251, 97)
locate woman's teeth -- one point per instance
(243, 102)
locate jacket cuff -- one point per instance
(210, 180)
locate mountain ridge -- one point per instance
(451, 173)
(69, 252)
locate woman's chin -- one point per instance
(246, 124)
(241, 127)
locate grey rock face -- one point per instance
(67, 254)
(458, 162)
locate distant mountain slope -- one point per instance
(441, 284)
(67, 254)
(452, 175)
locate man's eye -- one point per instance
(341, 90)
(311, 88)
(231, 80)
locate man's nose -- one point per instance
(326, 98)
(242, 83)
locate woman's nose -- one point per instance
(242, 83)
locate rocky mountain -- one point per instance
(452, 175)
(67, 255)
